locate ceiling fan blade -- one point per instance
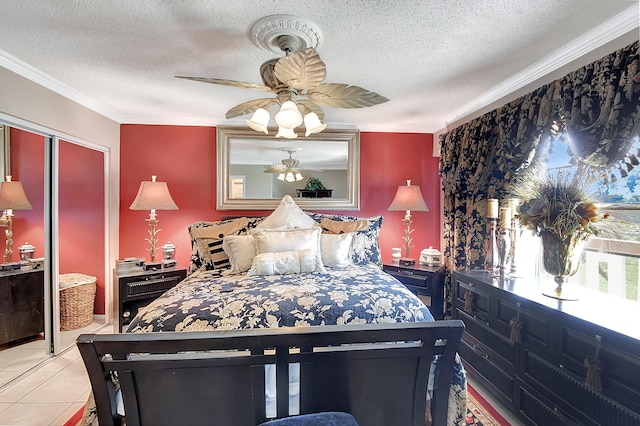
(312, 106)
(233, 83)
(301, 70)
(338, 95)
(250, 107)
(276, 168)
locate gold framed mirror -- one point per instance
(254, 170)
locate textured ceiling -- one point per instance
(436, 60)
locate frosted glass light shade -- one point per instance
(313, 124)
(286, 133)
(290, 177)
(289, 116)
(259, 121)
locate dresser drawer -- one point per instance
(496, 344)
(618, 379)
(536, 329)
(410, 278)
(587, 405)
(480, 300)
(493, 373)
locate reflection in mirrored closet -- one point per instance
(53, 241)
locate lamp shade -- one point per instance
(409, 197)
(12, 196)
(153, 195)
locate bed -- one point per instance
(290, 269)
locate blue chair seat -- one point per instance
(330, 418)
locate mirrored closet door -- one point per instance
(81, 240)
(53, 282)
(24, 338)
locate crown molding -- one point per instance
(618, 26)
(27, 71)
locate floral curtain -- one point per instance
(478, 160)
(598, 105)
(600, 109)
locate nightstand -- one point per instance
(139, 288)
(427, 282)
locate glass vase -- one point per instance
(561, 258)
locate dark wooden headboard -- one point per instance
(377, 372)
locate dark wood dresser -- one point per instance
(542, 378)
(21, 304)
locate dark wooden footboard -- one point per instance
(377, 372)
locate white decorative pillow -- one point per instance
(279, 240)
(285, 262)
(335, 249)
(287, 216)
(241, 250)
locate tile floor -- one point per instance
(48, 395)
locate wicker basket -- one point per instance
(77, 293)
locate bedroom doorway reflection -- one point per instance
(237, 187)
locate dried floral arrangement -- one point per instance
(557, 203)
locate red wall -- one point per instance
(185, 158)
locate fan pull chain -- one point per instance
(594, 368)
(468, 302)
(516, 327)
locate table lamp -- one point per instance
(12, 197)
(408, 197)
(153, 196)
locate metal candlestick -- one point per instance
(491, 254)
(503, 243)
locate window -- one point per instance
(611, 260)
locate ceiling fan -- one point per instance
(287, 171)
(298, 75)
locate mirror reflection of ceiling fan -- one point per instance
(298, 75)
(288, 171)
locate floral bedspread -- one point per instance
(207, 301)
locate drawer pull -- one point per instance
(516, 327)
(468, 302)
(480, 351)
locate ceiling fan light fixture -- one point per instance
(280, 177)
(290, 177)
(286, 133)
(313, 124)
(298, 176)
(259, 121)
(289, 116)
